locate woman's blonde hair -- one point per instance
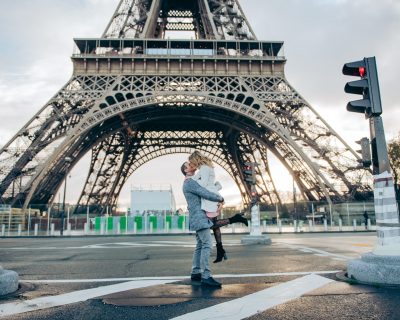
(198, 159)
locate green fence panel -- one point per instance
(139, 222)
(123, 223)
(168, 221)
(110, 223)
(153, 221)
(97, 223)
(181, 221)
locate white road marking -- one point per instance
(118, 245)
(277, 274)
(317, 251)
(252, 304)
(13, 308)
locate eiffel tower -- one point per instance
(135, 95)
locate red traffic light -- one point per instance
(362, 71)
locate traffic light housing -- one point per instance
(249, 172)
(366, 158)
(367, 86)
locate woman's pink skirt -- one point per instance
(212, 214)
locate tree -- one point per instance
(394, 157)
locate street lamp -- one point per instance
(68, 161)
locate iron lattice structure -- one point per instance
(135, 96)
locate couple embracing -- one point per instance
(204, 205)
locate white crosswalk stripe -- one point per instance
(13, 308)
(252, 304)
(234, 309)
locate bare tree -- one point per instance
(394, 156)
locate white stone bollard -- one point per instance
(354, 225)
(295, 225)
(369, 224)
(233, 227)
(19, 230)
(52, 229)
(151, 227)
(135, 227)
(325, 225)
(8, 281)
(310, 225)
(102, 226)
(118, 228)
(36, 229)
(69, 228)
(3, 230)
(280, 226)
(265, 225)
(85, 228)
(340, 225)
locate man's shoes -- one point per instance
(210, 282)
(195, 277)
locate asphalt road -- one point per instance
(147, 277)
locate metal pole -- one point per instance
(29, 220)
(294, 201)
(313, 213)
(87, 218)
(48, 221)
(68, 215)
(68, 161)
(63, 207)
(387, 214)
(9, 221)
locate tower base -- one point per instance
(375, 269)
(8, 281)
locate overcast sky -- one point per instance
(319, 35)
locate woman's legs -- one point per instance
(236, 218)
(219, 223)
(217, 234)
(218, 239)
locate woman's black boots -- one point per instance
(238, 218)
(221, 254)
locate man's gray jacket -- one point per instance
(193, 193)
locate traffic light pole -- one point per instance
(380, 157)
(386, 210)
(382, 266)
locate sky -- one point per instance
(319, 35)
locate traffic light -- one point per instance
(368, 87)
(365, 151)
(249, 172)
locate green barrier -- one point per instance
(139, 222)
(153, 222)
(181, 222)
(97, 223)
(168, 220)
(110, 223)
(122, 223)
